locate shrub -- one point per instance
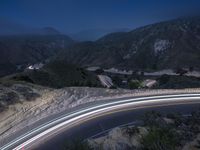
(135, 84)
(159, 139)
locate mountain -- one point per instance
(10, 28)
(20, 50)
(94, 34)
(169, 44)
(49, 31)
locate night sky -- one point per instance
(75, 15)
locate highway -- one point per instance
(86, 113)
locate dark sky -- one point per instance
(76, 15)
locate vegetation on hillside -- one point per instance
(11, 93)
(177, 82)
(164, 45)
(162, 132)
(135, 84)
(21, 50)
(58, 74)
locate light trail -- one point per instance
(84, 114)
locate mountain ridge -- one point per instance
(21, 50)
(95, 34)
(153, 47)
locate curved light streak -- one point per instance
(81, 115)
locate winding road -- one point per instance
(87, 113)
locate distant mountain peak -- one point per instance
(8, 27)
(50, 31)
(95, 34)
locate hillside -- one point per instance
(58, 74)
(20, 50)
(155, 132)
(170, 44)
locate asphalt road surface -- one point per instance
(89, 120)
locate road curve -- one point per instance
(83, 114)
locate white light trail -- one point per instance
(86, 113)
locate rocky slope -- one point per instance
(169, 44)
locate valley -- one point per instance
(47, 73)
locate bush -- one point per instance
(159, 139)
(9, 98)
(178, 82)
(27, 92)
(164, 79)
(117, 80)
(135, 84)
(152, 118)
